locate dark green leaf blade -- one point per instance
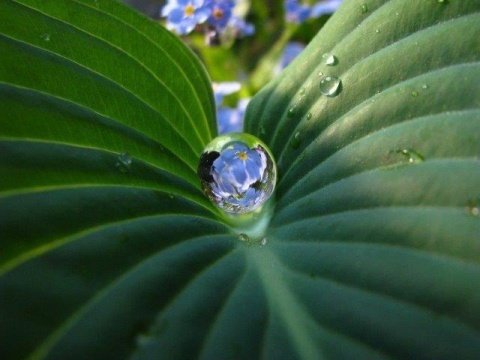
(377, 225)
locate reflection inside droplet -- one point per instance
(237, 172)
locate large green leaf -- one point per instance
(368, 255)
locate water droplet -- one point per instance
(330, 86)
(291, 111)
(330, 59)
(377, 31)
(45, 37)
(414, 93)
(320, 74)
(302, 91)
(364, 8)
(295, 143)
(473, 207)
(237, 172)
(309, 116)
(243, 237)
(442, 1)
(412, 156)
(424, 86)
(124, 162)
(264, 241)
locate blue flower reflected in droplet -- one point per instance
(238, 179)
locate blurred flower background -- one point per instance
(242, 43)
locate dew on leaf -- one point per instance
(442, 1)
(377, 31)
(364, 8)
(295, 143)
(473, 207)
(414, 93)
(424, 86)
(411, 155)
(330, 86)
(45, 37)
(291, 112)
(237, 172)
(330, 60)
(243, 237)
(124, 162)
(263, 242)
(309, 116)
(302, 91)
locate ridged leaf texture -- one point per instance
(373, 250)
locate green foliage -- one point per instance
(373, 248)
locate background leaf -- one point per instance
(373, 250)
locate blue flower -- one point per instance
(220, 14)
(238, 174)
(231, 119)
(291, 51)
(240, 27)
(183, 15)
(324, 7)
(296, 13)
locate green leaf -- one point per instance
(373, 249)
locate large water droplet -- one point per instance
(237, 172)
(330, 86)
(330, 59)
(411, 155)
(124, 162)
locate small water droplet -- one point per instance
(330, 86)
(330, 60)
(412, 156)
(243, 237)
(442, 1)
(377, 31)
(414, 93)
(124, 162)
(45, 37)
(364, 8)
(295, 143)
(320, 73)
(302, 91)
(291, 111)
(264, 241)
(309, 116)
(473, 207)
(237, 172)
(424, 86)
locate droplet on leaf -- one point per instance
(330, 59)
(45, 37)
(309, 116)
(243, 237)
(291, 112)
(411, 155)
(124, 162)
(237, 172)
(295, 143)
(302, 91)
(330, 86)
(414, 93)
(364, 8)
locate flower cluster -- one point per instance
(216, 15)
(295, 12)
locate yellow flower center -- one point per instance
(217, 13)
(189, 10)
(242, 155)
